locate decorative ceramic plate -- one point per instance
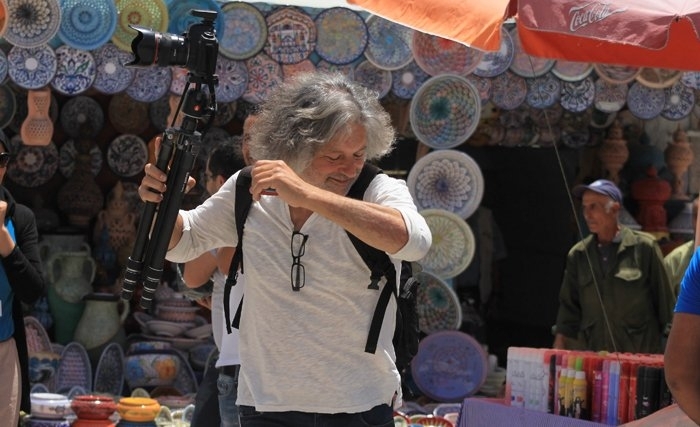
(8, 105)
(33, 165)
(616, 73)
(577, 96)
(158, 112)
(610, 97)
(291, 35)
(658, 78)
(526, 65)
(75, 71)
(437, 304)
(67, 154)
(245, 29)
(151, 14)
(180, 17)
(150, 84)
(679, 102)
(543, 91)
(498, 62)
(179, 80)
(109, 374)
(112, 76)
(342, 35)
(644, 102)
(179, 343)
(4, 65)
(127, 115)
(264, 74)
(453, 244)
(185, 381)
(437, 55)
(449, 366)
(691, 79)
(406, 81)
(348, 70)
(290, 70)
(82, 114)
(545, 117)
(127, 155)
(508, 90)
(74, 368)
(87, 24)
(4, 9)
(389, 45)
(32, 68)
(233, 79)
(572, 71)
(32, 23)
(37, 338)
(445, 111)
(373, 78)
(446, 179)
(483, 86)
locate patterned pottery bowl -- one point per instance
(138, 409)
(93, 407)
(49, 405)
(151, 369)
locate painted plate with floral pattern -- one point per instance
(644, 102)
(127, 115)
(233, 79)
(112, 76)
(4, 65)
(691, 79)
(543, 91)
(109, 374)
(453, 246)
(577, 96)
(87, 24)
(82, 114)
(374, 78)
(437, 55)
(439, 308)
(180, 17)
(74, 369)
(342, 35)
(67, 154)
(32, 23)
(508, 90)
(406, 81)
(150, 84)
(572, 71)
(75, 71)
(679, 102)
(616, 73)
(32, 165)
(348, 70)
(291, 35)
(245, 29)
(127, 155)
(32, 68)
(610, 97)
(264, 74)
(151, 14)
(526, 65)
(389, 45)
(498, 62)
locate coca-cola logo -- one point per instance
(590, 13)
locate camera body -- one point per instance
(196, 50)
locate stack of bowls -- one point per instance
(49, 410)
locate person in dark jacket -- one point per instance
(21, 281)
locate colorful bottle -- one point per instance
(580, 389)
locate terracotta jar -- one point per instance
(37, 128)
(652, 193)
(679, 156)
(613, 153)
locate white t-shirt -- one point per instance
(304, 351)
(225, 342)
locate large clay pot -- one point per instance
(101, 323)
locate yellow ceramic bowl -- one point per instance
(138, 409)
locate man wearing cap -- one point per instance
(616, 294)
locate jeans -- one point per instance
(379, 416)
(228, 391)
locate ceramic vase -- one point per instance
(37, 127)
(101, 323)
(652, 193)
(679, 156)
(613, 153)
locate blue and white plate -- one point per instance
(577, 96)
(32, 68)
(610, 97)
(74, 369)
(127, 155)
(150, 84)
(508, 90)
(291, 35)
(342, 35)
(483, 86)
(32, 23)
(82, 114)
(406, 81)
(543, 91)
(498, 62)
(389, 45)
(112, 76)
(181, 18)
(233, 79)
(264, 74)
(87, 24)
(621, 74)
(75, 71)
(644, 102)
(373, 78)
(245, 29)
(68, 153)
(572, 71)
(691, 79)
(109, 374)
(679, 102)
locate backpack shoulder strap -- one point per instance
(241, 208)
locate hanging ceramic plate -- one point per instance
(543, 91)
(112, 76)
(342, 35)
(526, 65)
(264, 74)
(508, 90)
(32, 23)
(446, 179)
(32, 68)
(437, 55)
(577, 96)
(127, 155)
(109, 374)
(245, 29)
(82, 114)
(572, 71)
(389, 44)
(658, 78)
(87, 24)
(233, 79)
(75, 71)
(127, 115)
(74, 368)
(498, 62)
(616, 74)
(544, 117)
(445, 111)
(373, 78)
(290, 70)
(151, 14)
(348, 70)
(406, 81)
(291, 35)
(610, 97)
(449, 366)
(33, 165)
(437, 304)
(453, 244)
(8, 105)
(37, 338)
(180, 17)
(691, 79)
(644, 102)
(679, 102)
(4, 65)
(150, 84)
(68, 153)
(4, 10)
(483, 86)
(179, 80)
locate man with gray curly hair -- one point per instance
(307, 308)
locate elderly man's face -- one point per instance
(599, 211)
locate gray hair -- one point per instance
(306, 112)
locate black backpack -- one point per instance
(406, 332)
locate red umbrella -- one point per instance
(651, 33)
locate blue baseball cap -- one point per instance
(601, 186)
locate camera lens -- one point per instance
(164, 49)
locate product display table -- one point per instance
(495, 413)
